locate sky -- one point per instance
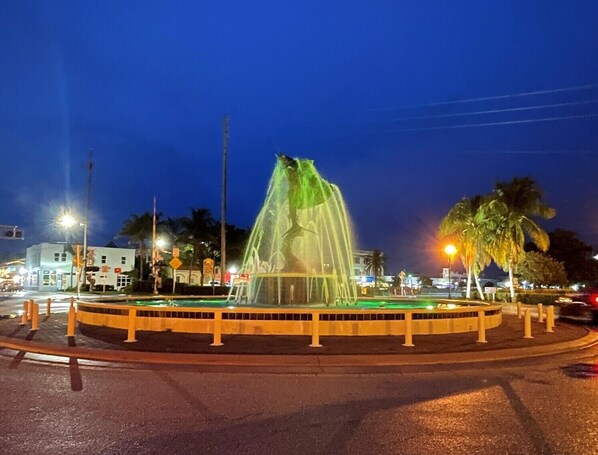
(407, 106)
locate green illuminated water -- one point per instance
(360, 304)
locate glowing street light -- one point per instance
(450, 250)
(68, 220)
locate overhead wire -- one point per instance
(497, 111)
(509, 122)
(487, 98)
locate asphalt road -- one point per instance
(540, 406)
(12, 302)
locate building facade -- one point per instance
(50, 267)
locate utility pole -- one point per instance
(86, 223)
(154, 251)
(223, 211)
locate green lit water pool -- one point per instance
(361, 304)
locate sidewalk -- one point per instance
(100, 343)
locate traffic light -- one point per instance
(11, 233)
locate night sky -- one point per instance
(406, 105)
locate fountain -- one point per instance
(300, 248)
(298, 262)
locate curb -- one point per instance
(295, 361)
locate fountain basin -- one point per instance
(423, 318)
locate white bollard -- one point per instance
(408, 330)
(70, 326)
(540, 313)
(315, 331)
(132, 326)
(519, 310)
(24, 315)
(481, 327)
(34, 316)
(527, 323)
(217, 329)
(550, 319)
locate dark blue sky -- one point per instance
(390, 98)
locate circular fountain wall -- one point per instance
(425, 318)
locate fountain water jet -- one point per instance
(300, 248)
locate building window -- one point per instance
(103, 259)
(59, 257)
(123, 260)
(123, 281)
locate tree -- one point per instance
(542, 270)
(510, 214)
(236, 242)
(138, 228)
(374, 263)
(465, 225)
(576, 256)
(200, 231)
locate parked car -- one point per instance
(582, 306)
(10, 286)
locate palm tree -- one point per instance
(464, 224)
(510, 213)
(374, 263)
(461, 226)
(138, 228)
(199, 231)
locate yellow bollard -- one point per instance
(132, 326)
(481, 327)
(217, 329)
(540, 313)
(315, 331)
(48, 306)
(527, 323)
(34, 316)
(408, 330)
(29, 309)
(70, 326)
(550, 318)
(24, 315)
(519, 310)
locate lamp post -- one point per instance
(68, 220)
(450, 250)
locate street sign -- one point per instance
(105, 269)
(208, 266)
(11, 233)
(175, 252)
(175, 263)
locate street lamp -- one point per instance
(68, 220)
(158, 246)
(450, 250)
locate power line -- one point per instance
(511, 122)
(496, 111)
(532, 152)
(487, 98)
